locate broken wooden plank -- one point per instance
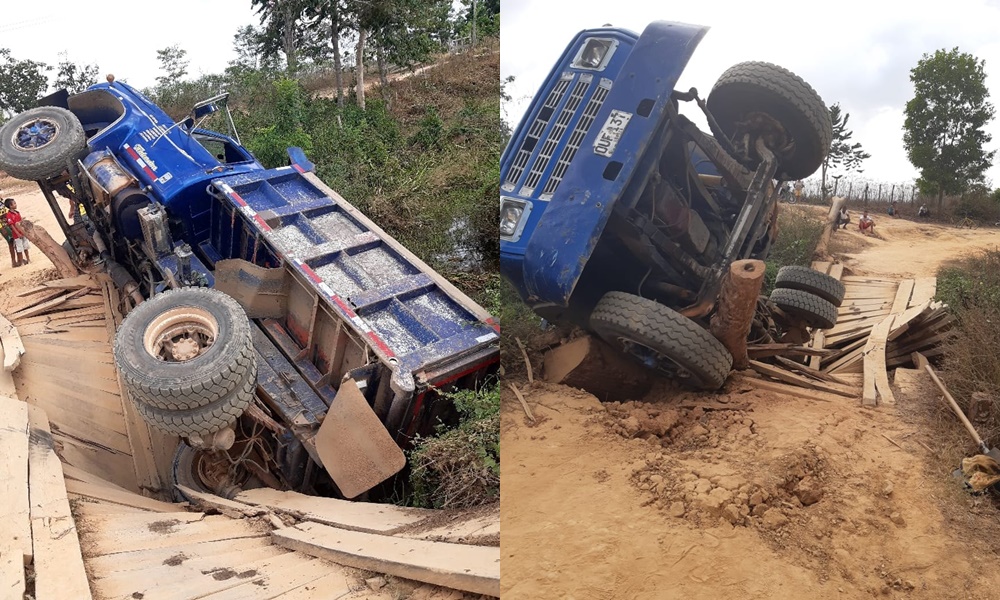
(590, 364)
(15, 516)
(902, 299)
(473, 569)
(836, 271)
(787, 377)
(757, 351)
(11, 343)
(795, 392)
(59, 571)
(131, 532)
(821, 266)
(809, 371)
(876, 383)
(100, 492)
(41, 308)
(356, 516)
(924, 290)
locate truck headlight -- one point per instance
(594, 54)
(511, 214)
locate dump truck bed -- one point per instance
(350, 291)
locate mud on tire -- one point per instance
(652, 333)
(810, 280)
(750, 88)
(813, 310)
(222, 368)
(37, 143)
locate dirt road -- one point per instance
(762, 496)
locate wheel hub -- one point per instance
(654, 359)
(35, 135)
(185, 349)
(180, 334)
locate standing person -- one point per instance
(798, 187)
(21, 244)
(7, 232)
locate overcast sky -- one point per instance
(855, 52)
(122, 37)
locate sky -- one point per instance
(122, 37)
(855, 52)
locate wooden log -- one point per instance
(37, 235)
(592, 365)
(737, 304)
(831, 222)
(473, 569)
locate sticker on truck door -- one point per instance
(612, 131)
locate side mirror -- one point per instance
(204, 111)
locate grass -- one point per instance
(971, 288)
(460, 468)
(798, 234)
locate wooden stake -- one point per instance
(524, 403)
(737, 304)
(527, 363)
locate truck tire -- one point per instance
(815, 311)
(36, 144)
(204, 472)
(168, 376)
(203, 420)
(750, 88)
(662, 339)
(810, 280)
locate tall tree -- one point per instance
(843, 153)
(73, 77)
(944, 132)
(173, 63)
(21, 83)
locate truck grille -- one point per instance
(556, 134)
(536, 130)
(535, 157)
(579, 132)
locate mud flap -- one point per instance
(262, 292)
(356, 449)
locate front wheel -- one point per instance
(37, 143)
(662, 340)
(759, 99)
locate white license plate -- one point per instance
(612, 131)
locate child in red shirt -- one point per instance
(20, 242)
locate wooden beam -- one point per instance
(10, 341)
(99, 492)
(59, 571)
(474, 569)
(15, 516)
(782, 375)
(356, 516)
(876, 383)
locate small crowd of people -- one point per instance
(867, 225)
(10, 230)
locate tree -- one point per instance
(173, 63)
(74, 78)
(944, 132)
(842, 153)
(21, 83)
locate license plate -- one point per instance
(612, 131)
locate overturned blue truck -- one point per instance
(620, 216)
(280, 334)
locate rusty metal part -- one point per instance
(180, 334)
(256, 413)
(696, 311)
(219, 440)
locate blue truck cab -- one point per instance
(611, 200)
(353, 342)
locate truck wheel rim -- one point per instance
(35, 134)
(180, 334)
(654, 359)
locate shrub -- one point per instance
(461, 468)
(798, 234)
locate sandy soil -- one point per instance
(777, 497)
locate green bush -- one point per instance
(460, 468)
(798, 234)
